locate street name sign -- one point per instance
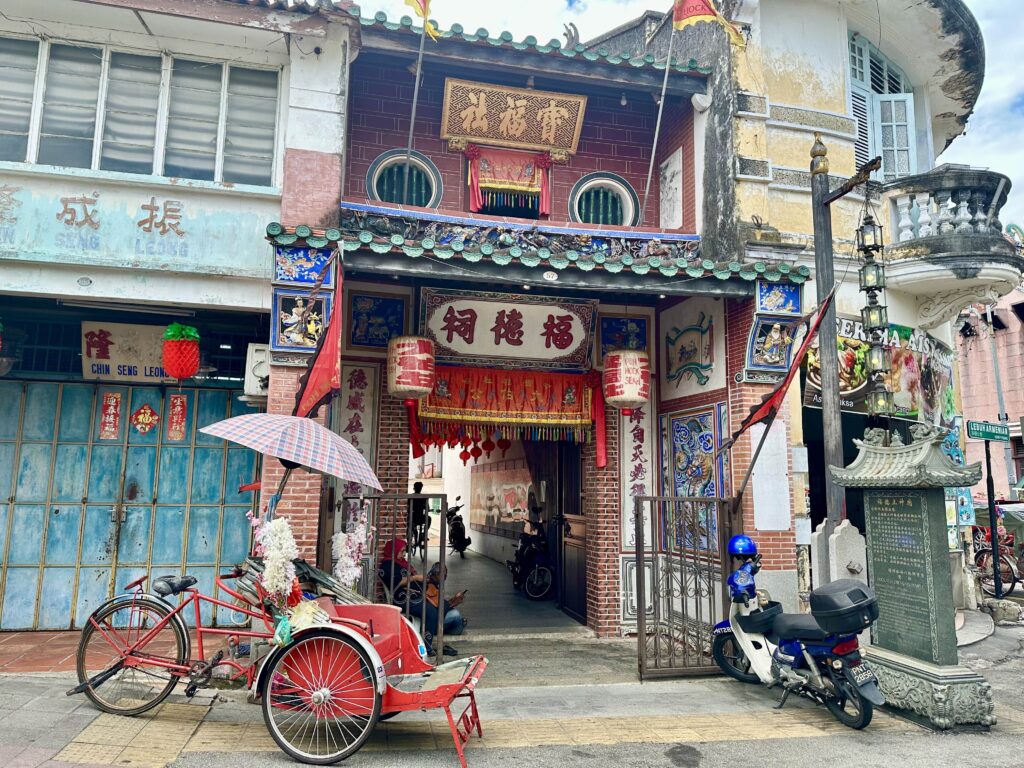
(986, 430)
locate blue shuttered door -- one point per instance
(88, 504)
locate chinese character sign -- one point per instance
(512, 117)
(122, 352)
(357, 406)
(636, 472)
(470, 328)
(110, 416)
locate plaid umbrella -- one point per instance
(297, 440)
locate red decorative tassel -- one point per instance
(597, 411)
(415, 435)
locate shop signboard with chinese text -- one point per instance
(188, 228)
(122, 352)
(488, 329)
(921, 376)
(512, 117)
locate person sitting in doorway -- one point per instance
(454, 623)
(396, 573)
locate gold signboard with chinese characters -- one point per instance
(511, 117)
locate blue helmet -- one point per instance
(742, 546)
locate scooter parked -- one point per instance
(458, 541)
(817, 656)
(532, 570)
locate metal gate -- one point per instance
(100, 484)
(681, 569)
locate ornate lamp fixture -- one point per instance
(875, 315)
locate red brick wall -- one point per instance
(677, 132)
(311, 189)
(601, 501)
(778, 548)
(614, 138)
(392, 464)
(301, 500)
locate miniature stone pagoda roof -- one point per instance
(922, 464)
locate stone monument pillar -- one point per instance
(914, 654)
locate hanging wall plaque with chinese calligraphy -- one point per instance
(481, 328)
(512, 117)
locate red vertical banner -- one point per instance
(177, 417)
(110, 416)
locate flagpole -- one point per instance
(412, 118)
(657, 125)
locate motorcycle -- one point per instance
(817, 656)
(458, 541)
(532, 569)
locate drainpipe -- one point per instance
(1004, 417)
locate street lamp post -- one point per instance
(874, 316)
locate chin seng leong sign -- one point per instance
(921, 377)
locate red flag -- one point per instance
(771, 403)
(321, 382)
(688, 12)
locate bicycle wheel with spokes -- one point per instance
(320, 698)
(1007, 572)
(141, 682)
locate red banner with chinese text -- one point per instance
(518, 404)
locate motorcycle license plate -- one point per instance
(862, 674)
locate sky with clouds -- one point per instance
(995, 135)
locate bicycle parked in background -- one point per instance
(1010, 562)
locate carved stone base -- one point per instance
(945, 696)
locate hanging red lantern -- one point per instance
(181, 351)
(465, 442)
(488, 446)
(476, 452)
(504, 443)
(465, 456)
(626, 382)
(411, 377)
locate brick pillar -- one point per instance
(778, 548)
(301, 500)
(601, 501)
(392, 465)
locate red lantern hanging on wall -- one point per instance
(411, 377)
(181, 351)
(626, 381)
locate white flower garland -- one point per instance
(277, 546)
(348, 548)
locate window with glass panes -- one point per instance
(94, 107)
(882, 102)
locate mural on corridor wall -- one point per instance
(690, 468)
(498, 497)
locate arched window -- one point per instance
(603, 199)
(385, 181)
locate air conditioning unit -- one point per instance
(257, 370)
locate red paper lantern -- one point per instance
(464, 455)
(488, 446)
(411, 377)
(627, 379)
(410, 367)
(504, 443)
(181, 351)
(476, 452)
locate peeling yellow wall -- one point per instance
(791, 148)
